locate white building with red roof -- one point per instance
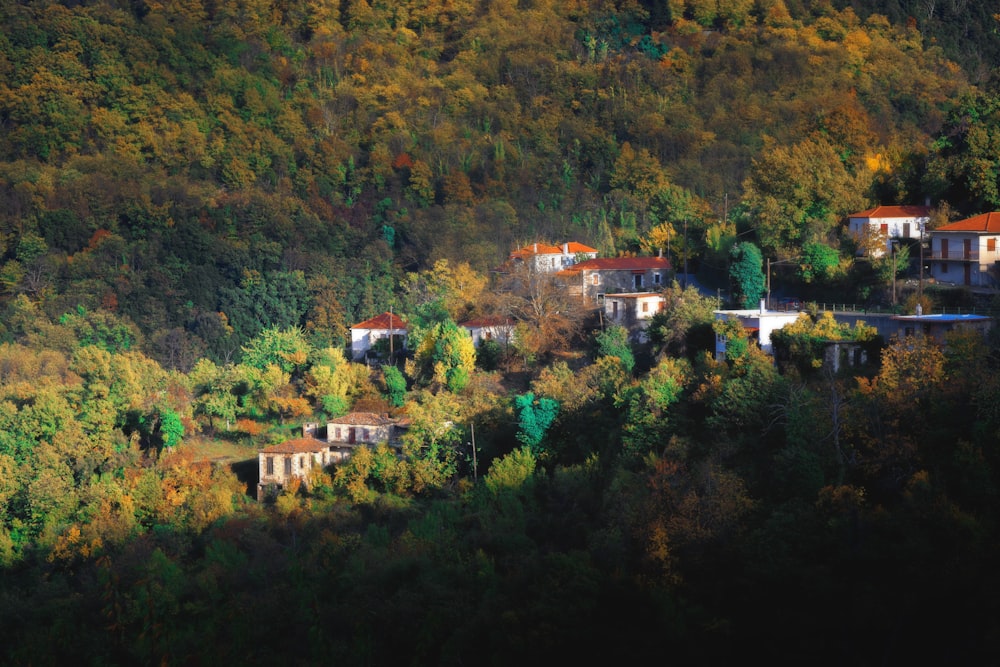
(965, 252)
(365, 335)
(892, 222)
(548, 258)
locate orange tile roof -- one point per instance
(893, 212)
(297, 446)
(537, 249)
(383, 321)
(622, 264)
(985, 223)
(573, 248)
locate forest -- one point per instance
(199, 198)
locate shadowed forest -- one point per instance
(199, 198)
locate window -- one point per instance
(288, 466)
(656, 278)
(595, 279)
(991, 245)
(302, 463)
(270, 465)
(638, 281)
(944, 267)
(364, 434)
(645, 306)
(338, 436)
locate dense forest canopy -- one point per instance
(182, 164)
(200, 198)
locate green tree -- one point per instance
(395, 385)
(817, 262)
(613, 342)
(533, 419)
(747, 274)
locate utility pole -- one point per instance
(475, 467)
(920, 285)
(685, 253)
(892, 247)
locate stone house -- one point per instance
(593, 279)
(321, 446)
(279, 464)
(633, 310)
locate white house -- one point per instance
(547, 258)
(893, 222)
(760, 324)
(499, 329)
(965, 252)
(633, 311)
(364, 335)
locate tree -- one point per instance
(533, 419)
(613, 342)
(443, 355)
(817, 262)
(395, 385)
(747, 274)
(286, 348)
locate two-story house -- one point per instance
(545, 258)
(965, 252)
(892, 222)
(592, 279)
(321, 446)
(633, 310)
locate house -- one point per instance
(546, 258)
(760, 324)
(633, 311)
(965, 252)
(320, 446)
(293, 459)
(365, 335)
(893, 222)
(594, 278)
(364, 428)
(499, 329)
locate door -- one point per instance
(968, 274)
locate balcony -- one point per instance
(961, 255)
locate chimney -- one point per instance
(536, 249)
(565, 248)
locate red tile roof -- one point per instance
(383, 321)
(536, 249)
(986, 223)
(894, 212)
(621, 264)
(297, 446)
(573, 248)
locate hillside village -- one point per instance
(627, 292)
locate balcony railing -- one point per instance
(959, 254)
